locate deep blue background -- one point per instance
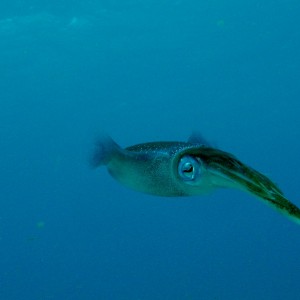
(144, 70)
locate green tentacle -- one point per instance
(249, 179)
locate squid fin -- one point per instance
(103, 152)
(197, 138)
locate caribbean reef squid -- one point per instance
(190, 168)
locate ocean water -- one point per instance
(145, 70)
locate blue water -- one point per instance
(145, 70)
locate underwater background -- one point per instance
(145, 70)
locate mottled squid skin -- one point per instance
(175, 169)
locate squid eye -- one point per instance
(189, 168)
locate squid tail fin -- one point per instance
(104, 150)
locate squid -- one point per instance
(174, 169)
